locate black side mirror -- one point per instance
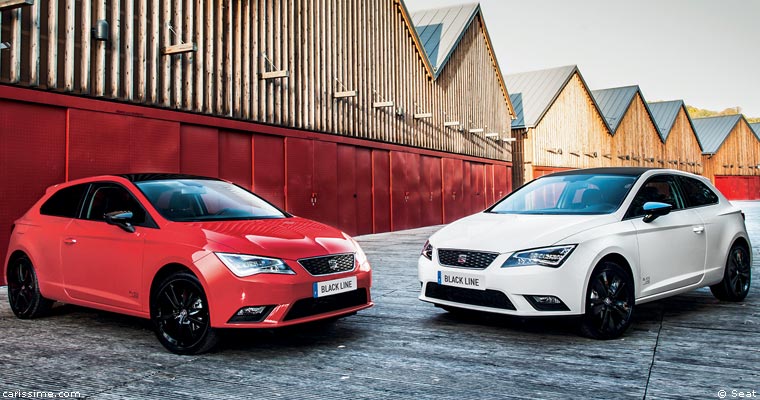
(120, 219)
(654, 209)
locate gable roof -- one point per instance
(517, 102)
(438, 32)
(614, 102)
(538, 90)
(713, 131)
(665, 114)
(756, 128)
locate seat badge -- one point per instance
(462, 259)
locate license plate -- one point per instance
(335, 286)
(468, 281)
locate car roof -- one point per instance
(629, 171)
(161, 177)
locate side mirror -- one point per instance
(120, 219)
(654, 209)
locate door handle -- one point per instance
(70, 241)
(698, 229)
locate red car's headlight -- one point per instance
(244, 265)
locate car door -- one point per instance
(102, 263)
(671, 247)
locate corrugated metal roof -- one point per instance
(713, 131)
(614, 103)
(538, 91)
(441, 29)
(665, 113)
(518, 105)
(756, 127)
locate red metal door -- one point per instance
(300, 193)
(490, 186)
(347, 191)
(30, 164)
(269, 168)
(199, 150)
(381, 192)
(431, 198)
(415, 190)
(452, 189)
(723, 184)
(400, 196)
(501, 181)
(236, 158)
(755, 188)
(326, 182)
(466, 189)
(363, 191)
(143, 144)
(478, 189)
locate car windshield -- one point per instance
(568, 195)
(205, 200)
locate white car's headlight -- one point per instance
(244, 265)
(546, 256)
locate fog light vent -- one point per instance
(546, 303)
(251, 314)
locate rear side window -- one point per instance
(697, 194)
(65, 203)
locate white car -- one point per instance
(591, 242)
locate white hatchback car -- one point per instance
(591, 242)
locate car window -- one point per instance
(696, 193)
(65, 202)
(659, 188)
(109, 198)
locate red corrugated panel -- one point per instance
(477, 187)
(363, 191)
(755, 188)
(269, 168)
(490, 186)
(101, 143)
(326, 182)
(199, 150)
(381, 193)
(32, 151)
(431, 196)
(299, 155)
(502, 176)
(723, 184)
(235, 157)
(467, 189)
(400, 196)
(347, 183)
(452, 190)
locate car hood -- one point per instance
(289, 238)
(505, 233)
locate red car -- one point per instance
(193, 254)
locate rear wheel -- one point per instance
(180, 315)
(24, 290)
(736, 277)
(609, 302)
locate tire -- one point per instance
(736, 276)
(24, 290)
(610, 299)
(180, 315)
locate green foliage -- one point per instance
(695, 112)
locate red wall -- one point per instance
(356, 185)
(739, 187)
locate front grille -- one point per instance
(307, 307)
(466, 258)
(483, 298)
(327, 265)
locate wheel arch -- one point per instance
(617, 258)
(163, 273)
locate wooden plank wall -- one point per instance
(740, 151)
(326, 46)
(682, 146)
(637, 141)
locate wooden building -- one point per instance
(682, 148)
(333, 110)
(731, 155)
(559, 124)
(636, 141)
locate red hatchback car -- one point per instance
(193, 254)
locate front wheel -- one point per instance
(180, 315)
(736, 277)
(609, 302)
(24, 290)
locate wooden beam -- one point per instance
(179, 49)
(6, 5)
(274, 74)
(423, 115)
(344, 94)
(382, 104)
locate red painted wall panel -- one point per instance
(32, 157)
(101, 143)
(299, 154)
(326, 182)
(452, 190)
(477, 187)
(269, 168)
(399, 194)
(363, 165)
(381, 192)
(199, 150)
(235, 157)
(502, 177)
(431, 197)
(347, 188)
(490, 189)
(466, 189)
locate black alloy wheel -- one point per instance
(736, 276)
(180, 315)
(24, 291)
(610, 298)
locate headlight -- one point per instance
(361, 257)
(244, 265)
(427, 250)
(546, 257)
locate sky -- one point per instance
(706, 52)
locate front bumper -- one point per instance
(508, 291)
(289, 299)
